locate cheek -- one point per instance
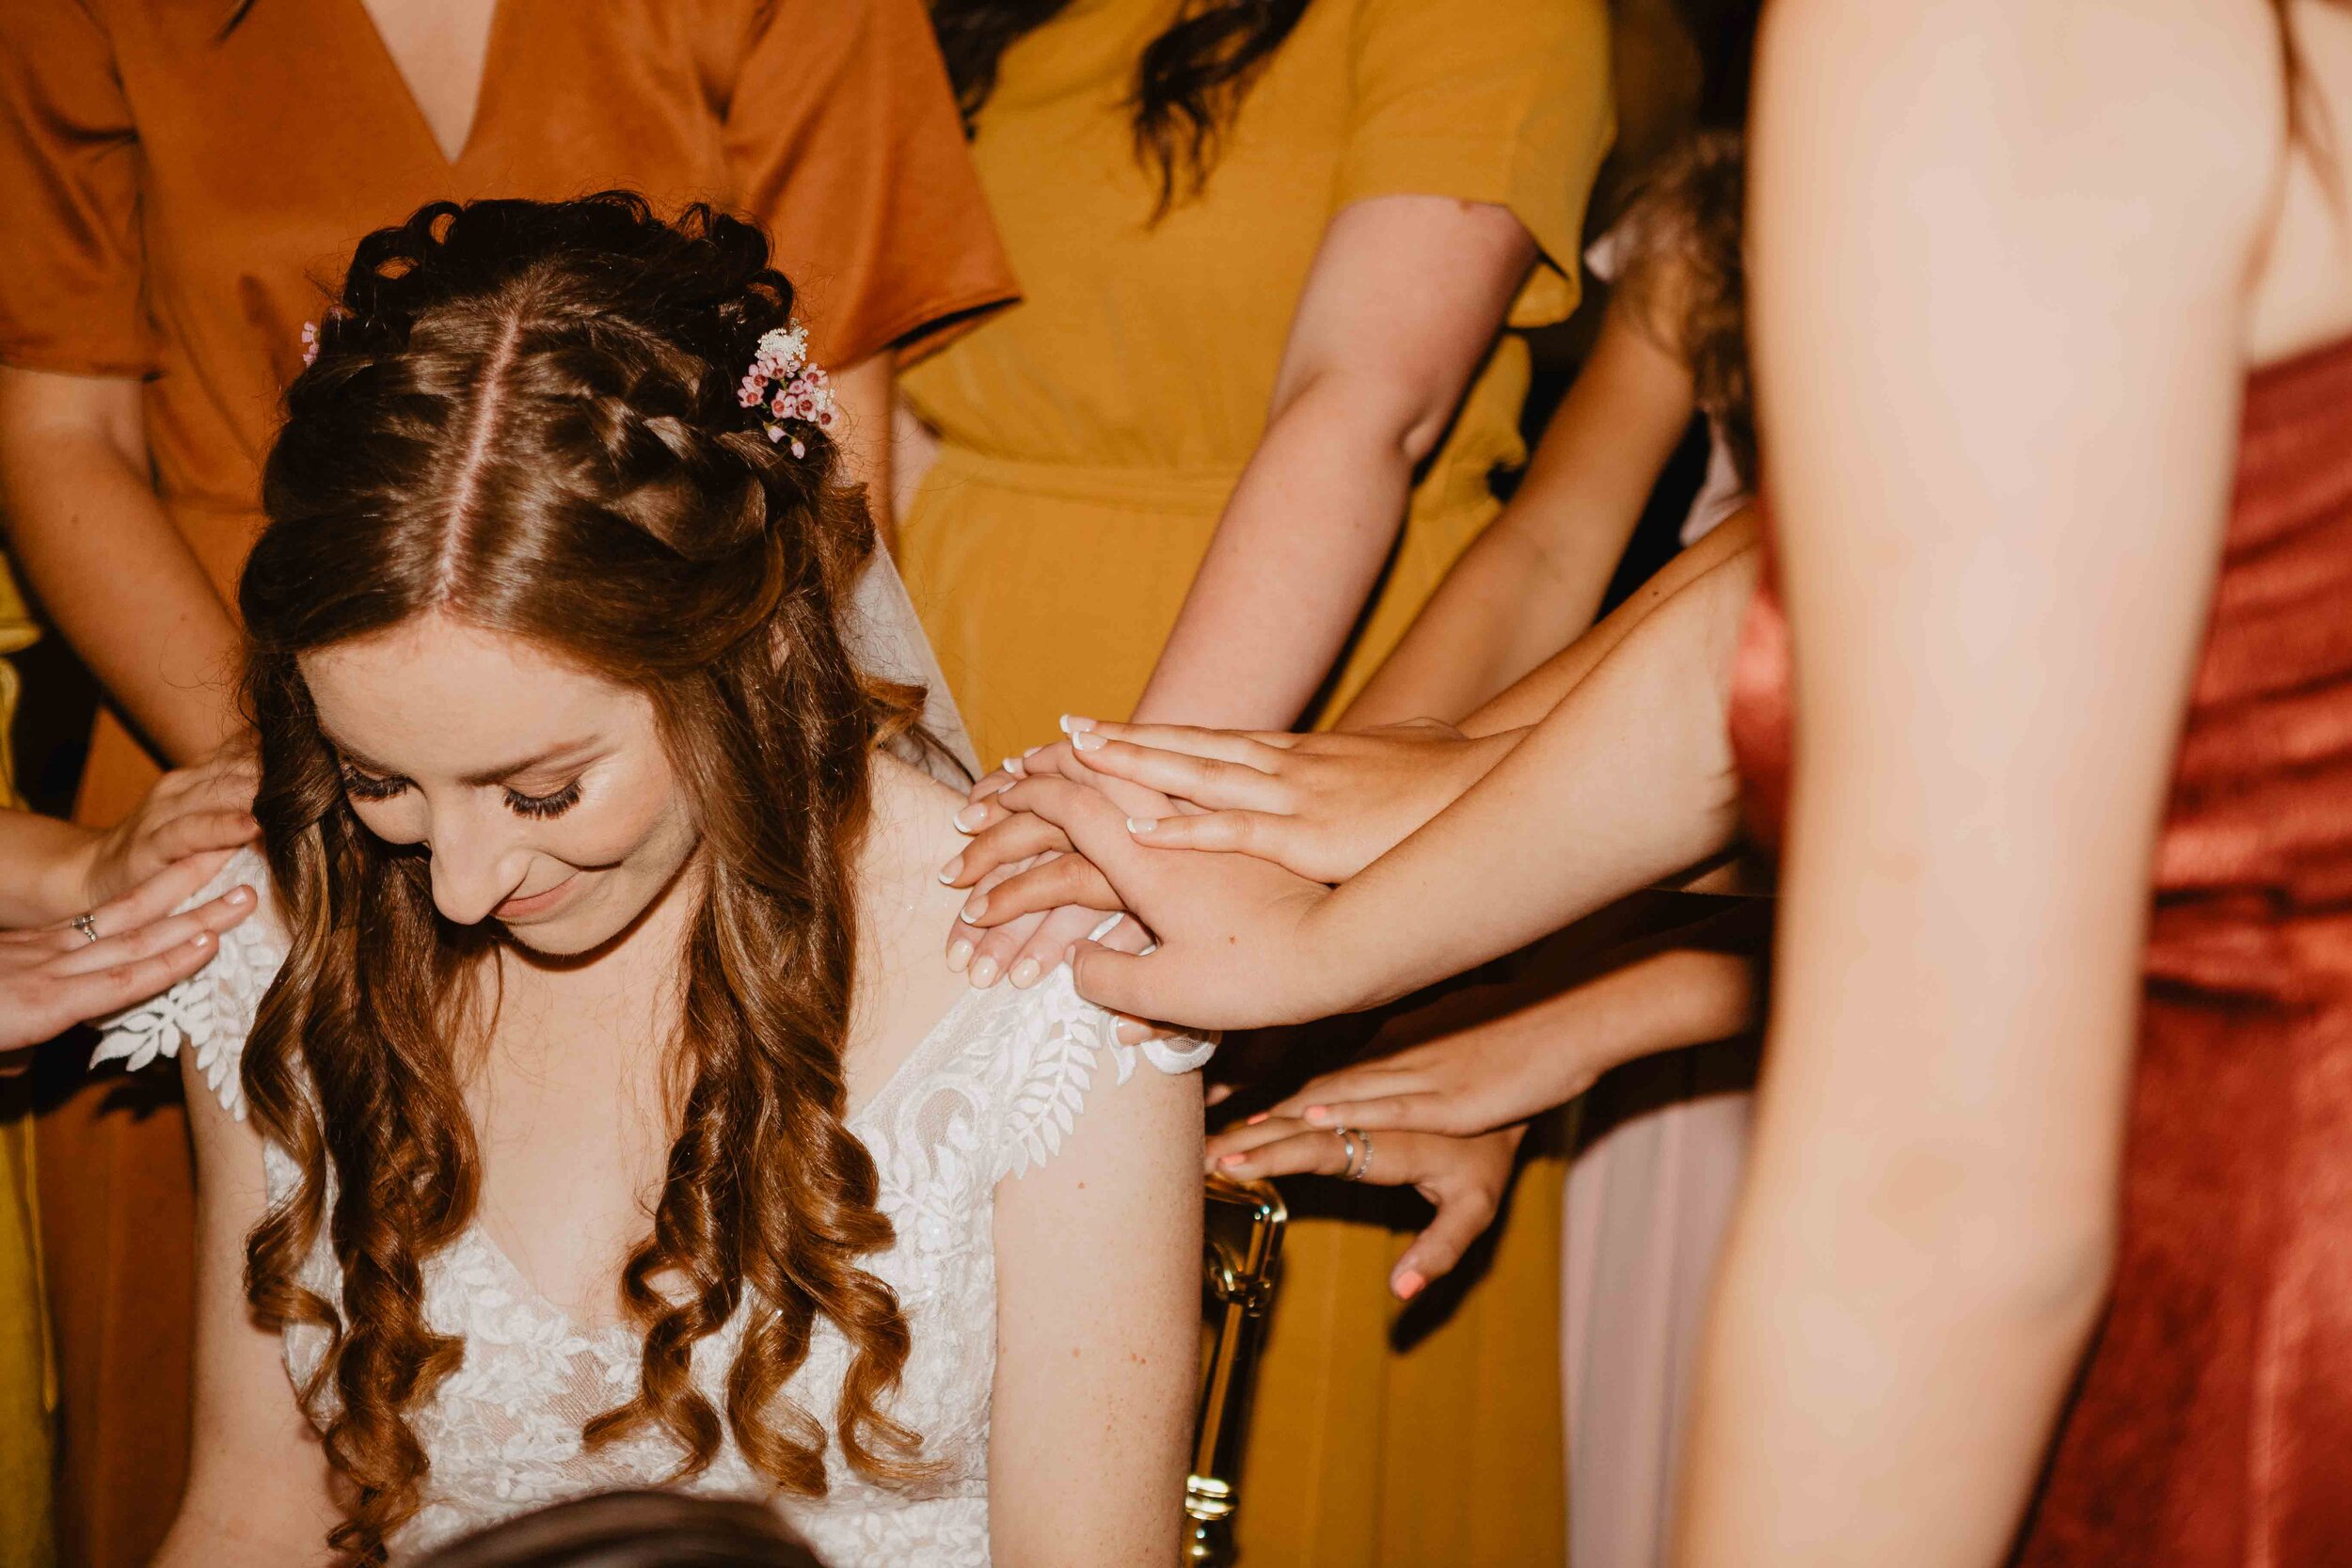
(401, 819)
(630, 815)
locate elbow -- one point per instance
(1392, 417)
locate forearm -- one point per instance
(1627, 781)
(1543, 687)
(866, 394)
(116, 578)
(44, 869)
(1295, 555)
(1509, 604)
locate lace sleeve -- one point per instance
(1057, 1045)
(212, 1010)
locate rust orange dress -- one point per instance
(176, 198)
(2213, 1422)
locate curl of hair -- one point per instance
(1686, 277)
(1189, 82)
(523, 416)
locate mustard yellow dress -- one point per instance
(25, 1536)
(1091, 437)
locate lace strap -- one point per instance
(211, 1011)
(1059, 1044)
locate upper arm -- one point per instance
(1405, 295)
(1996, 281)
(1097, 1327)
(41, 407)
(258, 1478)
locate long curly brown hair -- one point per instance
(525, 415)
(1686, 277)
(1189, 80)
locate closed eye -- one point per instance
(555, 804)
(368, 786)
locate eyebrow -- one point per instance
(575, 751)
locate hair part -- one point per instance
(1189, 80)
(523, 414)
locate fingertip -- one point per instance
(1073, 724)
(1087, 741)
(201, 940)
(959, 954)
(1407, 1284)
(1252, 1121)
(1317, 1113)
(1142, 825)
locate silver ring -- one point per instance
(1358, 1145)
(86, 923)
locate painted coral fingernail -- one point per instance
(1408, 1285)
(1318, 1113)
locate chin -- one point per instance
(561, 939)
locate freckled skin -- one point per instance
(436, 702)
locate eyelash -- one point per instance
(364, 786)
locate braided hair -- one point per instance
(525, 415)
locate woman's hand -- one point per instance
(132, 948)
(1235, 948)
(190, 811)
(1323, 806)
(1465, 1179)
(1489, 1056)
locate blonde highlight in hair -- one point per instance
(523, 414)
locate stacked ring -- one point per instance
(1358, 1146)
(86, 923)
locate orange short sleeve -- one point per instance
(71, 258)
(844, 140)
(1496, 101)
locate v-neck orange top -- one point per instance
(176, 199)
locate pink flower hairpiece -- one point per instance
(309, 342)
(784, 385)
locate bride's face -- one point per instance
(542, 792)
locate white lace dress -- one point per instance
(987, 1095)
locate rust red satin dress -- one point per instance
(2213, 1422)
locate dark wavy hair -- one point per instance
(1686, 277)
(524, 416)
(1189, 82)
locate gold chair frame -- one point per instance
(1241, 1246)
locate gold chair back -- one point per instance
(1242, 1244)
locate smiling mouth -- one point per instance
(536, 903)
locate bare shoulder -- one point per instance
(904, 984)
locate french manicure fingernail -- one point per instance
(1012, 766)
(1030, 752)
(1408, 1285)
(1142, 824)
(984, 973)
(970, 817)
(1074, 725)
(1086, 740)
(949, 873)
(959, 954)
(975, 906)
(1025, 974)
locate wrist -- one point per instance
(62, 885)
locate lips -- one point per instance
(536, 903)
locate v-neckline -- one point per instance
(397, 79)
(606, 1330)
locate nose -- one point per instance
(478, 863)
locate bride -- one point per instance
(587, 1107)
